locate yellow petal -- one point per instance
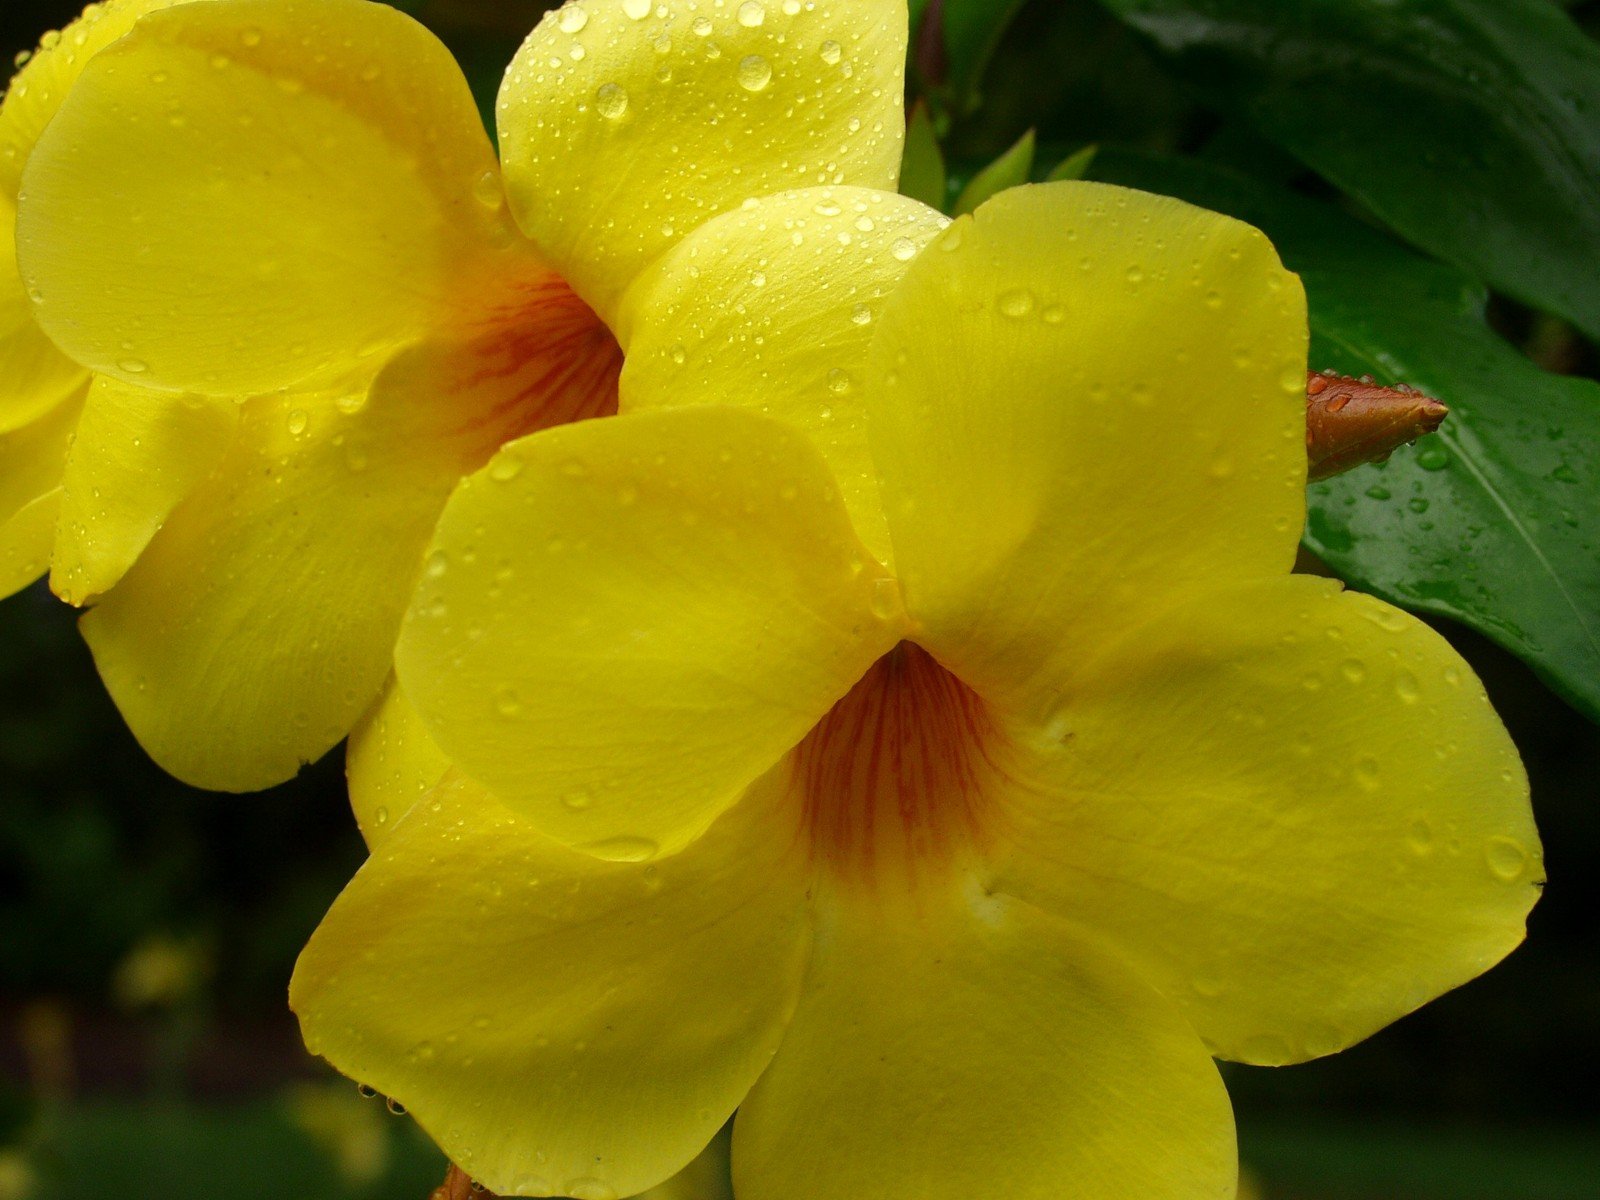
(31, 463)
(391, 763)
(25, 538)
(706, 1178)
(1293, 808)
(34, 375)
(561, 1025)
(991, 1052)
(47, 78)
(1084, 403)
(772, 307)
(259, 624)
(237, 197)
(624, 623)
(136, 454)
(623, 125)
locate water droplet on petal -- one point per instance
(1506, 858)
(755, 73)
(1367, 773)
(832, 52)
(1017, 303)
(611, 101)
(752, 13)
(573, 18)
(636, 10)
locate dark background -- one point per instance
(147, 930)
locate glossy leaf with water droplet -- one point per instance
(1495, 520)
(1472, 127)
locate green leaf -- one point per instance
(972, 30)
(922, 170)
(1495, 520)
(1472, 127)
(1008, 171)
(1073, 166)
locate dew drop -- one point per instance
(1432, 456)
(861, 315)
(1407, 687)
(623, 849)
(488, 192)
(755, 73)
(298, 420)
(381, 816)
(839, 381)
(366, 1091)
(1266, 1050)
(1017, 304)
(904, 249)
(395, 1107)
(133, 366)
(832, 52)
(1420, 837)
(752, 13)
(885, 600)
(1506, 858)
(573, 18)
(1354, 670)
(505, 468)
(636, 10)
(1367, 773)
(701, 27)
(578, 800)
(611, 101)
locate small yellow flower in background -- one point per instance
(350, 1130)
(950, 860)
(294, 202)
(162, 971)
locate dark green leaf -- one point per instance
(1495, 520)
(972, 30)
(922, 170)
(1472, 127)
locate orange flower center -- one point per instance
(536, 357)
(892, 783)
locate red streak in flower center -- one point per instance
(538, 357)
(892, 780)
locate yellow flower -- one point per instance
(953, 874)
(294, 201)
(43, 394)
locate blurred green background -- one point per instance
(147, 930)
